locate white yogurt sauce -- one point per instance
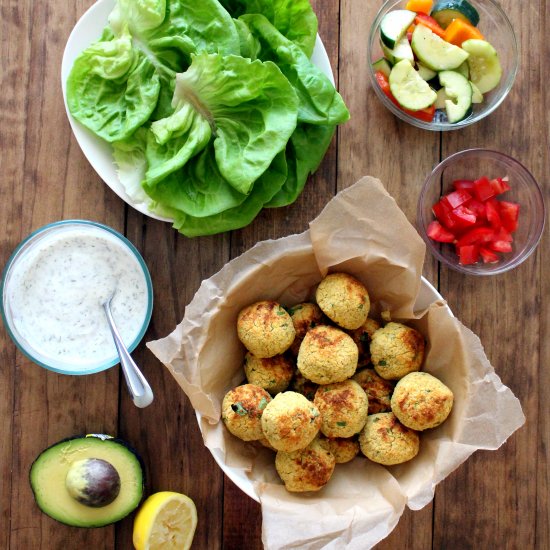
(57, 287)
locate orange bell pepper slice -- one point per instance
(419, 6)
(459, 31)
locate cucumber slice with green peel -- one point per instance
(484, 64)
(458, 106)
(409, 89)
(425, 73)
(382, 65)
(434, 52)
(447, 10)
(401, 51)
(394, 25)
(464, 70)
(477, 96)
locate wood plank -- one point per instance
(374, 142)
(507, 505)
(49, 406)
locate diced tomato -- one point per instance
(500, 246)
(477, 235)
(430, 22)
(488, 256)
(493, 216)
(443, 213)
(457, 198)
(475, 220)
(463, 217)
(478, 208)
(438, 233)
(503, 235)
(483, 190)
(499, 186)
(509, 214)
(426, 115)
(467, 185)
(468, 254)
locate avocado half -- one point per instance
(57, 497)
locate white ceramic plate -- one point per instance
(427, 295)
(98, 152)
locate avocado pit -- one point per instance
(93, 482)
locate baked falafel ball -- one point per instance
(343, 299)
(343, 406)
(344, 449)
(242, 409)
(327, 355)
(290, 421)
(421, 401)
(300, 384)
(308, 469)
(386, 441)
(362, 337)
(273, 374)
(396, 350)
(265, 328)
(378, 390)
(304, 316)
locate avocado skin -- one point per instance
(86, 522)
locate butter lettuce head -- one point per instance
(213, 107)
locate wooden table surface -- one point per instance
(496, 499)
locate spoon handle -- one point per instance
(139, 388)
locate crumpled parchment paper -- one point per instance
(361, 231)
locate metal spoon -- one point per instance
(139, 389)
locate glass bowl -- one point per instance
(497, 30)
(524, 190)
(36, 299)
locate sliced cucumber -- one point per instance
(401, 51)
(394, 25)
(382, 65)
(445, 11)
(441, 98)
(409, 89)
(464, 70)
(425, 73)
(434, 52)
(477, 96)
(484, 64)
(458, 106)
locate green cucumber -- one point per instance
(434, 52)
(382, 65)
(477, 96)
(447, 10)
(484, 64)
(441, 98)
(394, 25)
(425, 73)
(464, 70)
(401, 51)
(458, 106)
(409, 89)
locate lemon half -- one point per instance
(167, 521)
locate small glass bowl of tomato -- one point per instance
(496, 29)
(481, 212)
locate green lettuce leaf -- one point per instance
(304, 152)
(112, 88)
(131, 164)
(234, 218)
(320, 103)
(295, 19)
(250, 106)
